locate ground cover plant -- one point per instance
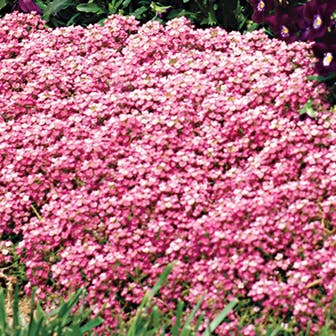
(126, 147)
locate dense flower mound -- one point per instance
(124, 148)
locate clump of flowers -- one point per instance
(312, 21)
(125, 148)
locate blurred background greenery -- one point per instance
(230, 14)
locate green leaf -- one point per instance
(179, 311)
(308, 109)
(54, 7)
(199, 321)
(157, 8)
(185, 329)
(126, 3)
(3, 315)
(40, 314)
(16, 312)
(308, 329)
(73, 19)
(161, 281)
(321, 78)
(41, 4)
(275, 331)
(91, 324)
(133, 330)
(139, 11)
(219, 318)
(114, 7)
(35, 327)
(90, 8)
(3, 4)
(175, 13)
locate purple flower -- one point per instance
(315, 18)
(261, 9)
(27, 6)
(284, 23)
(325, 51)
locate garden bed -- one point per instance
(125, 148)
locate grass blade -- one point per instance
(91, 324)
(220, 317)
(161, 281)
(308, 328)
(275, 331)
(148, 296)
(3, 315)
(16, 323)
(186, 325)
(199, 321)
(179, 311)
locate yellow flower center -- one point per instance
(317, 22)
(261, 6)
(284, 31)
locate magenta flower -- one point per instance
(284, 24)
(27, 6)
(316, 18)
(325, 51)
(261, 9)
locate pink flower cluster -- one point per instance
(124, 148)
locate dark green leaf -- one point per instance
(73, 19)
(175, 13)
(178, 314)
(321, 78)
(90, 8)
(161, 281)
(16, 311)
(54, 7)
(139, 11)
(3, 315)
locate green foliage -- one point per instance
(230, 14)
(149, 320)
(3, 4)
(60, 321)
(330, 82)
(308, 109)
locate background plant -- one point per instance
(230, 14)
